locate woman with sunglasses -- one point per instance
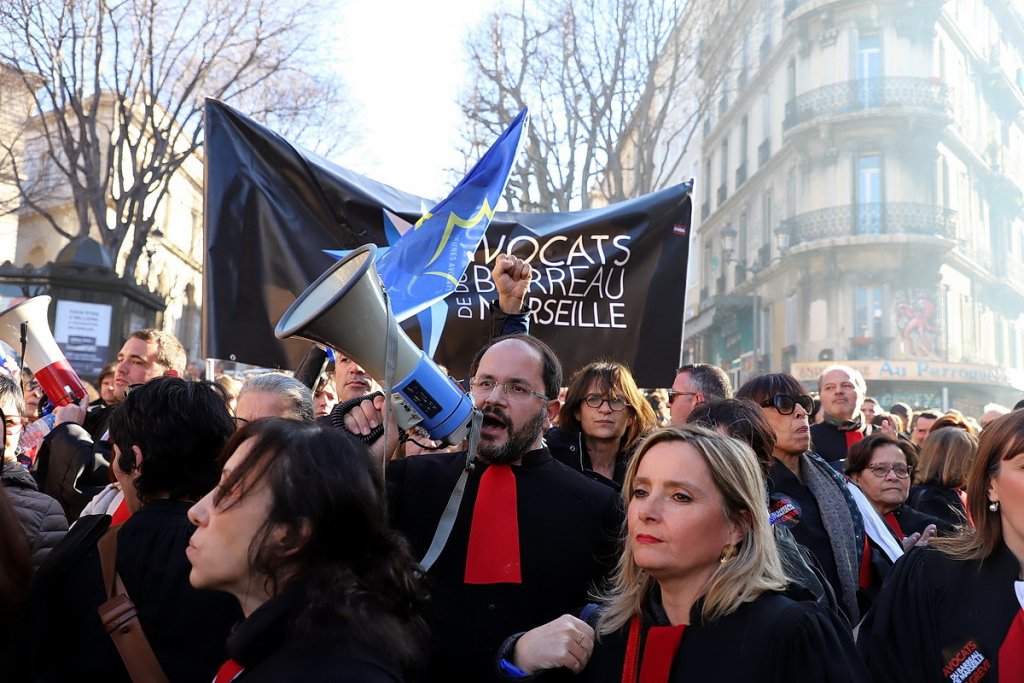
(954, 610)
(603, 418)
(297, 530)
(805, 493)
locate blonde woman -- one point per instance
(699, 592)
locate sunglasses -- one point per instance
(786, 404)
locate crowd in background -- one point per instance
(261, 530)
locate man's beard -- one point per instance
(519, 442)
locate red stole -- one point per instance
(894, 524)
(852, 437)
(1011, 653)
(493, 552)
(659, 652)
(228, 671)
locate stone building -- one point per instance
(860, 197)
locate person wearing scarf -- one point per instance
(954, 610)
(842, 391)
(699, 592)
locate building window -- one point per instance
(792, 314)
(869, 70)
(766, 218)
(868, 194)
(867, 312)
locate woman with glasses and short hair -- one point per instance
(881, 465)
(805, 493)
(604, 416)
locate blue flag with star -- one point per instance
(425, 265)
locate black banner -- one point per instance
(608, 283)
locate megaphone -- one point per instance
(346, 308)
(24, 327)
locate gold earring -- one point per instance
(728, 552)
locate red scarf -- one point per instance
(659, 652)
(493, 552)
(228, 671)
(1011, 654)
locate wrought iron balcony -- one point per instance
(867, 94)
(890, 218)
(764, 152)
(723, 194)
(741, 174)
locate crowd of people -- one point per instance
(270, 530)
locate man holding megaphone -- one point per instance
(72, 464)
(529, 535)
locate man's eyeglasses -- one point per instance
(482, 388)
(673, 394)
(881, 469)
(786, 404)
(615, 404)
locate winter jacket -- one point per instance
(40, 515)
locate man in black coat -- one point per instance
(842, 390)
(564, 525)
(167, 435)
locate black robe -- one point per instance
(774, 638)
(568, 529)
(187, 628)
(270, 651)
(935, 614)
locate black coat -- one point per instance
(934, 613)
(40, 515)
(830, 443)
(187, 628)
(774, 638)
(940, 502)
(569, 448)
(568, 526)
(270, 651)
(73, 465)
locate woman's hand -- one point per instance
(916, 539)
(565, 642)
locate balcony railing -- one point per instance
(867, 94)
(705, 210)
(723, 193)
(891, 218)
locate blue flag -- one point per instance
(426, 264)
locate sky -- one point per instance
(403, 64)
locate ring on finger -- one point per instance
(580, 641)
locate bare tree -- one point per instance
(119, 86)
(612, 88)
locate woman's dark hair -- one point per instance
(742, 419)
(180, 427)
(616, 379)
(15, 568)
(328, 496)
(859, 456)
(762, 387)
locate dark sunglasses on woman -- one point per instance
(786, 404)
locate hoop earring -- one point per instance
(728, 553)
(994, 506)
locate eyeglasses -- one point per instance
(881, 469)
(482, 388)
(615, 404)
(786, 404)
(672, 394)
